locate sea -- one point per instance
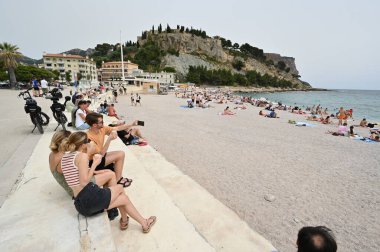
(365, 103)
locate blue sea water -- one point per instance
(365, 103)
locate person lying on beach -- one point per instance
(78, 175)
(112, 111)
(326, 120)
(227, 111)
(375, 137)
(316, 239)
(241, 107)
(270, 114)
(312, 118)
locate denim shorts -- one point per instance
(92, 199)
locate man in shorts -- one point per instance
(98, 145)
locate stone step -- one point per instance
(172, 232)
(216, 223)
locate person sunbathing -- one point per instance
(342, 130)
(227, 111)
(270, 114)
(89, 198)
(112, 111)
(326, 120)
(375, 137)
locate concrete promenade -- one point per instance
(39, 216)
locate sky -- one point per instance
(335, 43)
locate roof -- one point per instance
(119, 62)
(64, 56)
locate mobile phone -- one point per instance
(140, 123)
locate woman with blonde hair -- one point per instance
(101, 177)
(89, 197)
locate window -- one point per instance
(68, 60)
(151, 86)
(55, 65)
(48, 65)
(68, 65)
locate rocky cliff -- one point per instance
(192, 50)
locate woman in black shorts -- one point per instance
(88, 197)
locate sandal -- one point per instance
(153, 220)
(127, 182)
(124, 224)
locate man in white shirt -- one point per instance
(80, 116)
(44, 86)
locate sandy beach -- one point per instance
(313, 177)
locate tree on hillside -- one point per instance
(9, 53)
(281, 65)
(168, 29)
(102, 49)
(153, 28)
(159, 28)
(235, 46)
(238, 64)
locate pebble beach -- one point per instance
(274, 175)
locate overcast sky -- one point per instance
(335, 42)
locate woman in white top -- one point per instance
(80, 116)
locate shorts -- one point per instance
(102, 165)
(84, 126)
(36, 88)
(92, 199)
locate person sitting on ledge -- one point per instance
(89, 198)
(80, 116)
(113, 160)
(316, 239)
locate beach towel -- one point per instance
(305, 124)
(365, 139)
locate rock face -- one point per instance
(188, 44)
(289, 61)
(197, 51)
(184, 61)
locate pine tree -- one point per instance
(153, 29)
(160, 28)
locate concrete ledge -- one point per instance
(39, 215)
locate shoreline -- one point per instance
(273, 90)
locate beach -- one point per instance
(274, 175)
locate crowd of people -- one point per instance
(205, 97)
(82, 164)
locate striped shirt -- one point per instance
(69, 169)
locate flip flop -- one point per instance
(124, 224)
(150, 225)
(126, 183)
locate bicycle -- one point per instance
(58, 108)
(37, 117)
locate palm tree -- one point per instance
(9, 53)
